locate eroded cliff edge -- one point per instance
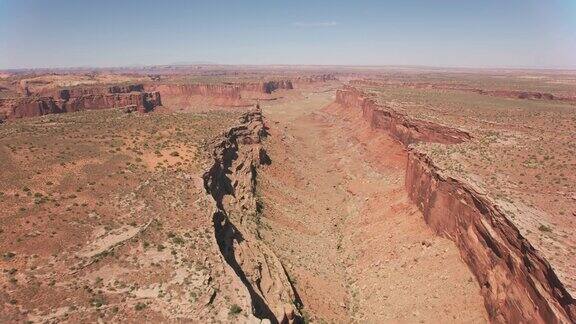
(54, 101)
(518, 283)
(231, 181)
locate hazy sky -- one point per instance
(487, 33)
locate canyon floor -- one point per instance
(337, 215)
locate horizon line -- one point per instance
(143, 66)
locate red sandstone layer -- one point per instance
(76, 99)
(226, 91)
(222, 94)
(400, 126)
(518, 283)
(266, 86)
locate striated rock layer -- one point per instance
(266, 87)
(231, 181)
(401, 127)
(224, 91)
(518, 283)
(76, 99)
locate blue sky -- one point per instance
(488, 33)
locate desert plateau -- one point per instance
(321, 192)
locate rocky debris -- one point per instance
(81, 98)
(231, 181)
(518, 283)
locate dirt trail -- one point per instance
(336, 214)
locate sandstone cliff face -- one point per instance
(76, 99)
(222, 94)
(225, 91)
(518, 284)
(399, 126)
(126, 88)
(266, 87)
(31, 107)
(231, 181)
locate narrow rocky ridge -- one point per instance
(231, 181)
(518, 283)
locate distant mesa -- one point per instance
(78, 99)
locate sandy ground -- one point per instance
(336, 213)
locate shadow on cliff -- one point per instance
(226, 234)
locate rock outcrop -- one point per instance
(517, 94)
(81, 98)
(315, 78)
(517, 282)
(270, 86)
(231, 181)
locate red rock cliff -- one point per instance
(76, 99)
(400, 126)
(223, 91)
(518, 284)
(266, 86)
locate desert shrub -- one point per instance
(544, 228)
(234, 309)
(139, 306)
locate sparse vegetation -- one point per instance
(544, 228)
(235, 310)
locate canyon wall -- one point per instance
(266, 87)
(219, 90)
(82, 98)
(223, 91)
(231, 182)
(517, 282)
(400, 126)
